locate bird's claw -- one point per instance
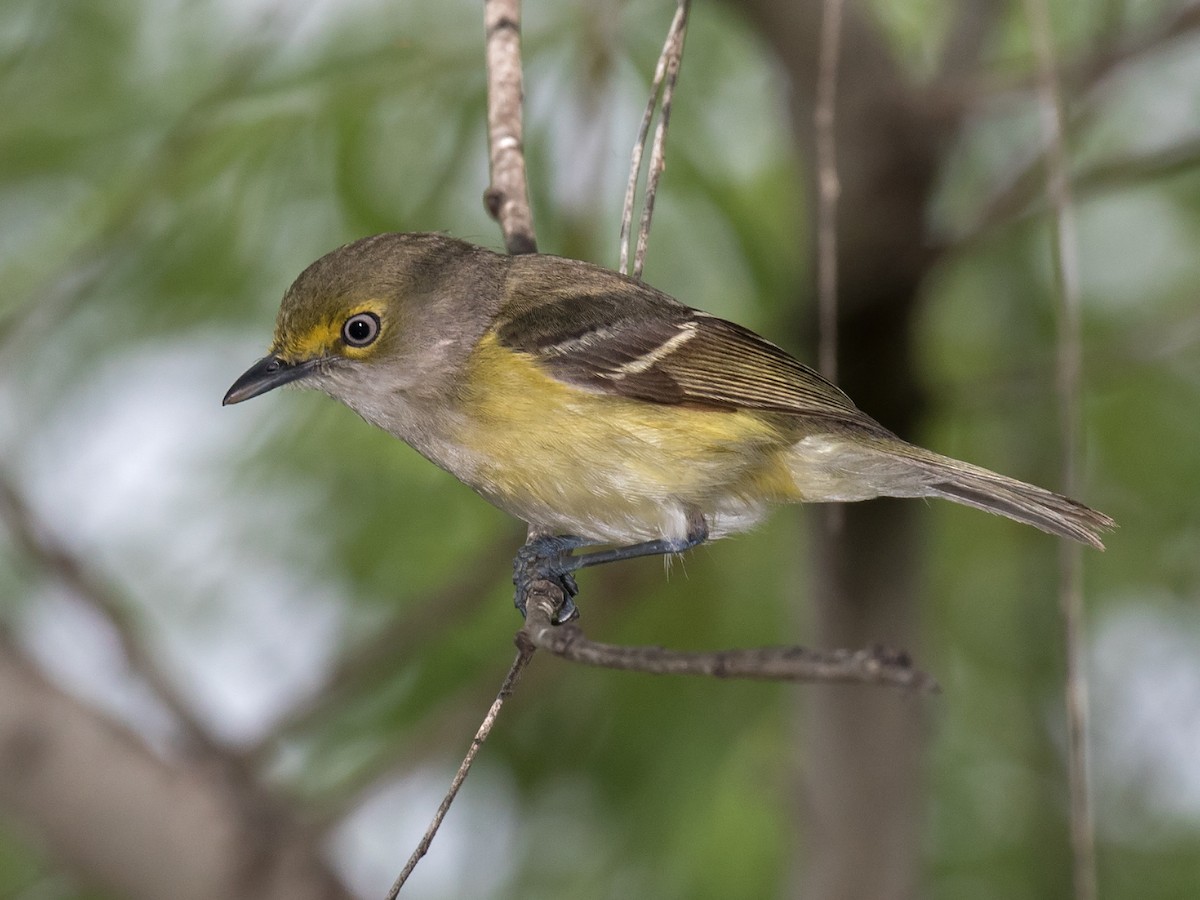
(544, 559)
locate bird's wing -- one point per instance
(645, 345)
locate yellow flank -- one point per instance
(563, 455)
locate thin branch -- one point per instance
(39, 544)
(828, 186)
(507, 198)
(1174, 24)
(666, 72)
(426, 618)
(875, 666)
(1082, 75)
(524, 654)
(1018, 200)
(1134, 168)
(1025, 184)
(1069, 365)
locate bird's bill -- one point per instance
(265, 375)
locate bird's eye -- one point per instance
(361, 329)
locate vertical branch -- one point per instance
(666, 72)
(507, 197)
(1068, 368)
(828, 187)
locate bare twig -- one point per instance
(875, 666)
(524, 654)
(1066, 266)
(828, 187)
(666, 72)
(507, 198)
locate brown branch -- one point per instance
(133, 823)
(524, 654)
(1085, 73)
(1025, 183)
(959, 91)
(1069, 376)
(39, 544)
(875, 666)
(507, 198)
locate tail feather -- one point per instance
(986, 490)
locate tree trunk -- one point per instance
(861, 807)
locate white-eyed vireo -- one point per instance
(595, 408)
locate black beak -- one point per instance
(265, 375)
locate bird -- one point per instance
(600, 411)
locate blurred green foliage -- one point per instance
(167, 168)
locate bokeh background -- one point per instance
(242, 650)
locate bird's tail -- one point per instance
(873, 465)
(994, 493)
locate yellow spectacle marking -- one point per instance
(325, 337)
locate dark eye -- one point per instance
(361, 329)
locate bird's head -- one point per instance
(378, 316)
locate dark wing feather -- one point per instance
(643, 344)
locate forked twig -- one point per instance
(666, 72)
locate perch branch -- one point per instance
(875, 666)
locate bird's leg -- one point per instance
(549, 558)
